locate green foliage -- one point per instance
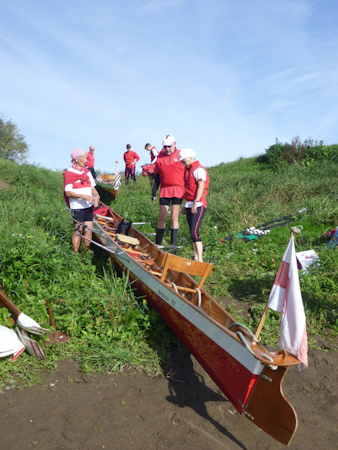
(12, 142)
(305, 154)
(109, 325)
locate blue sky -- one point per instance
(224, 77)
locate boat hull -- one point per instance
(238, 372)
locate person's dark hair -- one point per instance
(147, 145)
(128, 146)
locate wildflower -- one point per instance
(20, 235)
(144, 302)
(13, 234)
(215, 227)
(28, 237)
(44, 218)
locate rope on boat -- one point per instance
(244, 342)
(199, 297)
(242, 326)
(175, 287)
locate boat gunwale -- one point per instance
(258, 350)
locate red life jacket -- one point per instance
(191, 184)
(71, 178)
(170, 169)
(153, 153)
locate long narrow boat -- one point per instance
(248, 374)
(107, 184)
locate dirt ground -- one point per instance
(185, 410)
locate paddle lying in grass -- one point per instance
(22, 320)
(10, 344)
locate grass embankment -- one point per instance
(108, 325)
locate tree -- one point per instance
(12, 142)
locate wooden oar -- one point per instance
(25, 322)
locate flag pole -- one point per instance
(294, 231)
(116, 190)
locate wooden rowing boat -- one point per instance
(106, 183)
(248, 374)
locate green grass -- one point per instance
(110, 327)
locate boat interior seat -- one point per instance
(183, 265)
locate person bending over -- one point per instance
(196, 183)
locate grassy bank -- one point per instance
(109, 326)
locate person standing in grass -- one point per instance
(196, 183)
(90, 161)
(169, 174)
(81, 195)
(130, 158)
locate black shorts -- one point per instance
(174, 200)
(83, 215)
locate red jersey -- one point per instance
(90, 160)
(171, 172)
(129, 158)
(191, 184)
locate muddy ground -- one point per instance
(186, 410)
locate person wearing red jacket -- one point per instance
(90, 161)
(81, 195)
(130, 158)
(169, 174)
(196, 183)
(153, 153)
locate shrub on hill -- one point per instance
(306, 153)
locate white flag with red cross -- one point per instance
(286, 298)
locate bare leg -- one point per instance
(88, 234)
(198, 249)
(76, 239)
(163, 216)
(174, 215)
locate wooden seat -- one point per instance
(179, 264)
(108, 177)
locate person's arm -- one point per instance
(156, 185)
(96, 196)
(72, 194)
(155, 156)
(198, 195)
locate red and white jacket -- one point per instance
(191, 183)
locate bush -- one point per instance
(305, 154)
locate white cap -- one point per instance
(186, 153)
(168, 140)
